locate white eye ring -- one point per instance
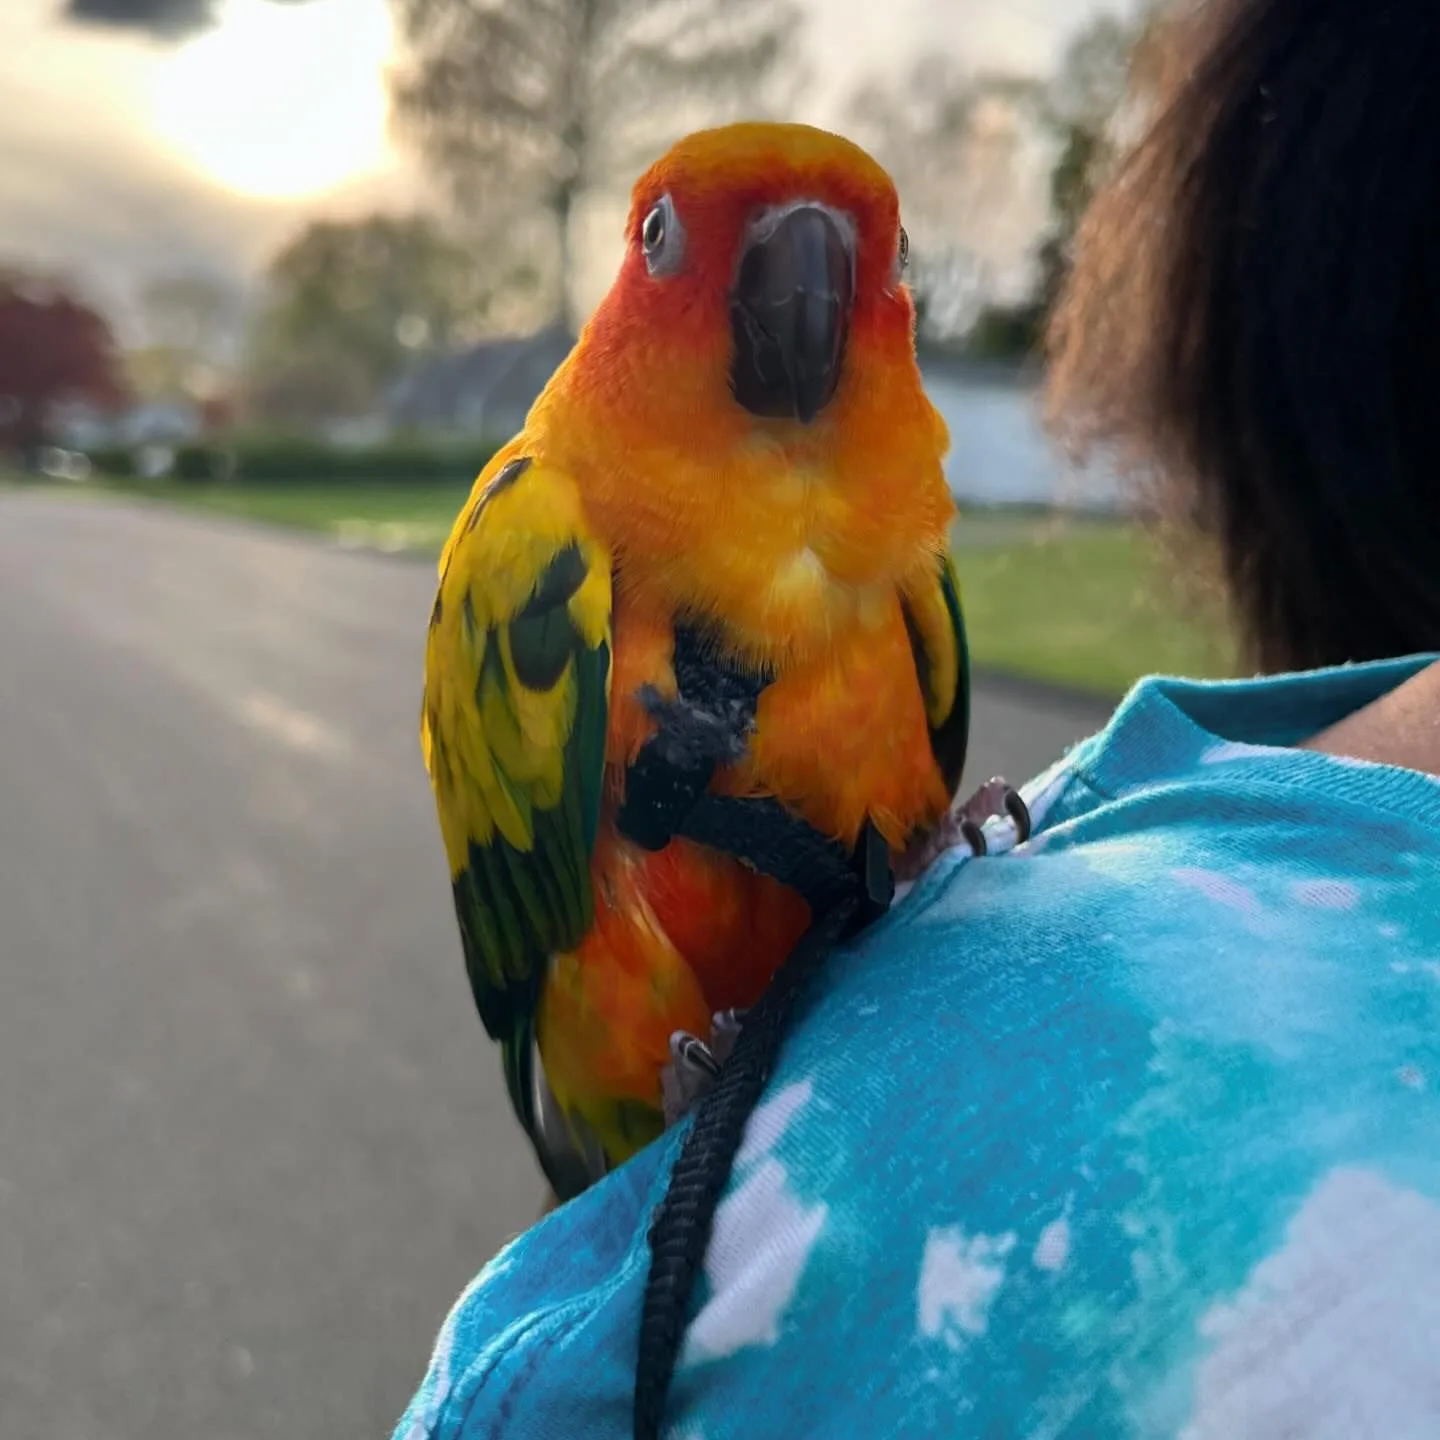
(902, 255)
(662, 238)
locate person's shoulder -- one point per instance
(989, 1156)
(534, 1334)
(1069, 1092)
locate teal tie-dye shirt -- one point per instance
(1133, 1131)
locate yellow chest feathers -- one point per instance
(789, 559)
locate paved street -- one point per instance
(252, 1138)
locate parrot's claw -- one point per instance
(965, 822)
(724, 1032)
(995, 797)
(686, 1080)
(694, 1066)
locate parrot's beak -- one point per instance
(790, 312)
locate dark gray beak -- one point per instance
(790, 315)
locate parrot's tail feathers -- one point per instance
(680, 1231)
(567, 1148)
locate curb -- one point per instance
(1089, 704)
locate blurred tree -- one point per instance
(1093, 74)
(191, 327)
(948, 285)
(952, 141)
(192, 311)
(1105, 79)
(348, 305)
(524, 107)
(192, 324)
(54, 349)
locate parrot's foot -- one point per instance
(965, 822)
(694, 1066)
(995, 797)
(691, 735)
(675, 765)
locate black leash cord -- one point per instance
(681, 1228)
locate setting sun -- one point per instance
(279, 101)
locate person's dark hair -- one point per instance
(1254, 314)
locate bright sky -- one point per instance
(121, 155)
(276, 103)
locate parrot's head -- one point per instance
(763, 265)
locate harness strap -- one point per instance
(763, 834)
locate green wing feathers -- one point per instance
(936, 624)
(513, 728)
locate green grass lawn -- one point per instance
(400, 516)
(1083, 603)
(1088, 604)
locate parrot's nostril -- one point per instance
(789, 315)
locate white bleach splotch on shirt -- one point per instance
(1336, 1336)
(1052, 1249)
(762, 1238)
(958, 1279)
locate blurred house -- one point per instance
(1000, 453)
(356, 432)
(82, 425)
(485, 390)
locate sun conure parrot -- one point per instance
(736, 462)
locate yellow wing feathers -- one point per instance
(501, 697)
(513, 727)
(942, 663)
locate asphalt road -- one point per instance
(252, 1140)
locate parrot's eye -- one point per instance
(902, 258)
(662, 238)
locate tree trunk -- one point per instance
(563, 208)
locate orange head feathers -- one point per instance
(753, 253)
(763, 246)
